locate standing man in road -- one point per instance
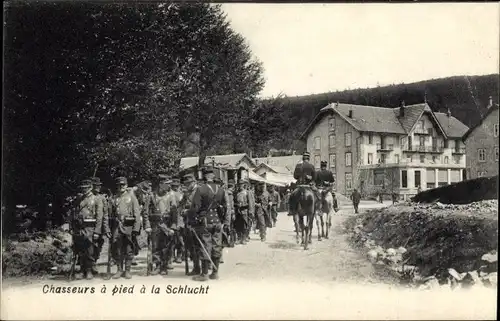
(230, 213)
(87, 223)
(103, 198)
(252, 220)
(125, 227)
(166, 205)
(261, 210)
(356, 198)
(274, 202)
(208, 226)
(241, 209)
(190, 188)
(179, 240)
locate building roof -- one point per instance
(488, 112)
(388, 120)
(371, 119)
(288, 162)
(232, 160)
(275, 169)
(453, 127)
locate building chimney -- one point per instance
(490, 102)
(350, 113)
(448, 112)
(293, 152)
(402, 109)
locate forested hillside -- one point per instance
(466, 97)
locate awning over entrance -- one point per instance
(279, 179)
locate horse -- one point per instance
(305, 201)
(327, 207)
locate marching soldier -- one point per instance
(241, 210)
(208, 225)
(261, 206)
(230, 212)
(87, 225)
(125, 226)
(274, 202)
(190, 188)
(165, 203)
(101, 197)
(222, 211)
(252, 221)
(179, 240)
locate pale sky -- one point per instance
(315, 48)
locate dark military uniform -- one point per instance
(166, 224)
(103, 198)
(242, 221)
(252, 220)
(305, 174)
(208, 225)
(189, 219)
(179, 232)
(87, 225)
(125, 226)
(274, 202)
(324, 181)
(230, 213)
(261, 211)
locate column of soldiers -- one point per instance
(193, 222)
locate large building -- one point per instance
(482, 145)
(387, 150)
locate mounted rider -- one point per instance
(305, 174)
(324, 181)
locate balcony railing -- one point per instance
(385, 148)
(459, 150)
(423, 149)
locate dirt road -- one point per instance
(264, 280)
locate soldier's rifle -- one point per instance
(149, 264)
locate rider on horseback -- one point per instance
(305, 174)
(324, 181)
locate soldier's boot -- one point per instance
(119, 270)
(221, 260)
(178, 256)
(169, 263)
(204, 272)
(262, 235)
(215, 270)
(128, 265)
(196, 268)
(163, 268)
(94, 268)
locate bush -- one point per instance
(35, 254)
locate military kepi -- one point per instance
(188, 178)
(96, 181)
(121, 180)
(306, 154)
(323, 163)
(208, 170)
(86, 183)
